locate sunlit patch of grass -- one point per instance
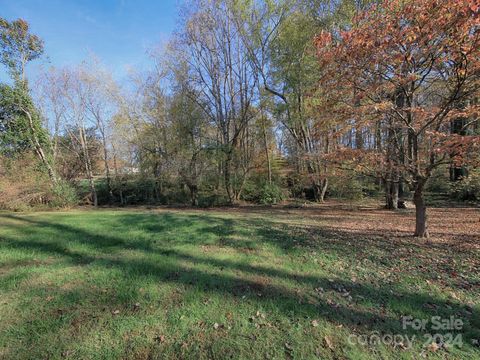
(192, 284)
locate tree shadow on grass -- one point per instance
(264, 285)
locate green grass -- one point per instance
(170, 284)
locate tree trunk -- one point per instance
(117, 182)
(324, 189)
(391, 194)
(88, 165)
(93, 190)
(228, 179)
(395, 194)
(39, 150)
(421, 229)
(458, 172)
(267, 153)
(401, 194)
(359, 141)
(107, 167)
(193, 194)
(317, 188)
(320, 189)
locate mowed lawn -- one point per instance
(235, 283)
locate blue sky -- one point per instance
(119, 32)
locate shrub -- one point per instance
(22, 185)
(264, 194)
(297, 185)
(250, 191)
(64, 195)
(206, 200)
(467, 188)
(344, 187)
(270, 194)
(439, 183)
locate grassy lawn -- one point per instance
(249, 284)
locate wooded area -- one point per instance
(278, 179)
(255, 101)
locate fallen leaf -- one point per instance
(217, 326)
(433, 347)
(66, 353)
(328, 342)
(160, 338)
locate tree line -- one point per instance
(256, 101)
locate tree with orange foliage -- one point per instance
(414, 66)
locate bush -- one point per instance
(270, 194)
(24, 184)
(250, 191)
(64, 195)
(266, 194)
(343, 187)
(298, 185)
(206, 200)
(439, 183)
(467, 188)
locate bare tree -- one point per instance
(222, 76)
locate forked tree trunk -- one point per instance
(421, 218)
(320, 189)
(391, 194)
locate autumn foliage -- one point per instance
(412, 69)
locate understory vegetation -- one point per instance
(256, 284)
